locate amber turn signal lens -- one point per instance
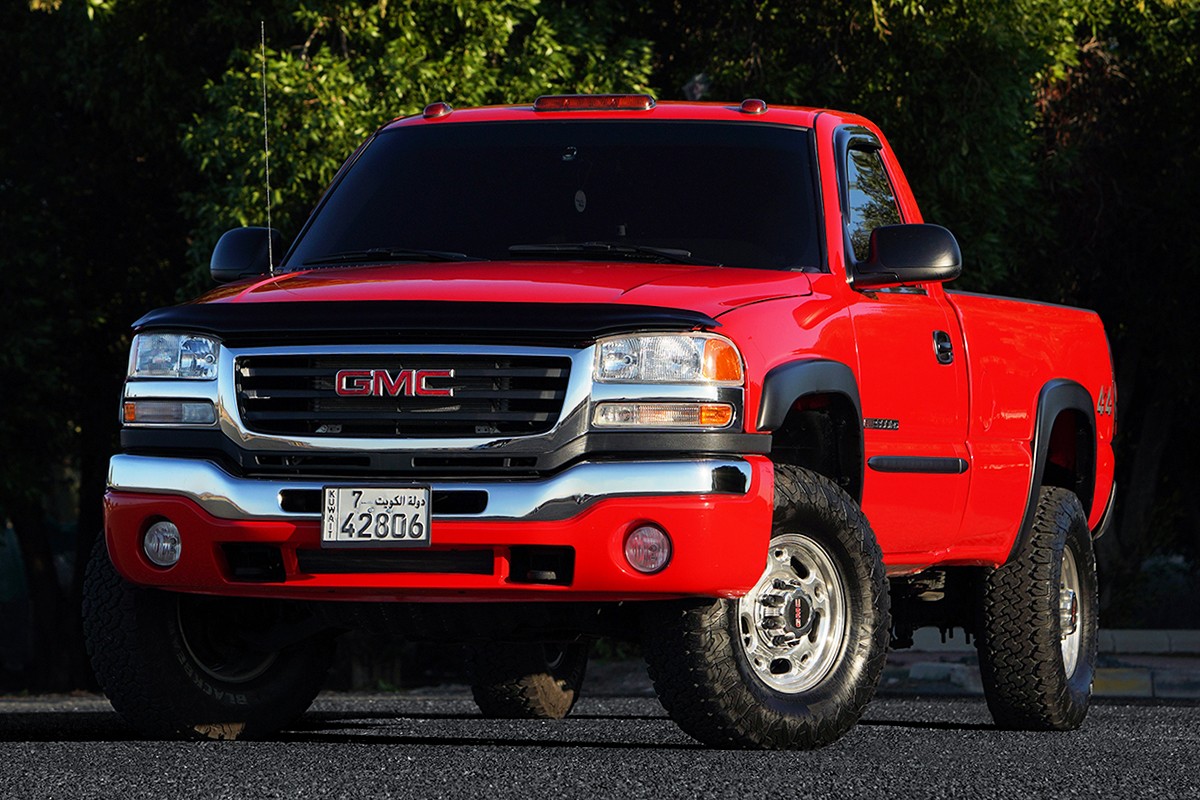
(716, 415)
(721, 361)
(663, 415)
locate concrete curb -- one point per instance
(1111, 641)
(1146, 664)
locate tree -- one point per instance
(338, 72)
(1123, 129)
(88, 187)
(951, 84)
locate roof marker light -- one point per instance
(752, 105)
(594, 102)
(437, 110)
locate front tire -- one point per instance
(1037, 643)
(792, 664)
(187, 666)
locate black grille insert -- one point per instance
(374, 562)
(442, 502)
(254, 563)
(488, 396)
(551, 565)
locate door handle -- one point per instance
(943, 347)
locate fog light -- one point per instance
(647, 549)
(162, 544)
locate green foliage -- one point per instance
(338, 72)
(951, 84)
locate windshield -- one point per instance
(692, 192)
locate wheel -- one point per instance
(187, 666)
(527, 680)
(794, 662)
(1037, 642)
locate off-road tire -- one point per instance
(144, 663)
(700, 665)
(527, 680)
(1021, 660)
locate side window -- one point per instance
(870, 201)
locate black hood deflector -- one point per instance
(567, 324)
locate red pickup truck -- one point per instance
(599, 366)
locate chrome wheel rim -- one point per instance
(1070, 614)
(792, 624)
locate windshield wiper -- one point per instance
(670, 255)
(375, 255)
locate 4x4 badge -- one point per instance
(1107, 400)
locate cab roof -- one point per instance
(619, 106)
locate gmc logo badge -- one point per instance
(381, 383)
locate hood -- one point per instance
(707, 290)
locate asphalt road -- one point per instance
(433, 744)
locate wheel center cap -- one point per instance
(1068, 612)
(798, 614)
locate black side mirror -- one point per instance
(904, 254)
(245, 253)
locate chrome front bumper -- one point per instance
(558, 497)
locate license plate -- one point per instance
(379, 516)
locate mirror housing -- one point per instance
(244, 253)
(907, 254)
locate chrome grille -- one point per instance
(491, 396)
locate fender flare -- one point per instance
(786, 383)
(1056, 396)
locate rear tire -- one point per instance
(528, 680)
(792, 664)
(188, 666)
(1037, 643)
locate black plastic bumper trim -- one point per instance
(213, 444)
(380, 562)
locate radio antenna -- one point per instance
(266, 145)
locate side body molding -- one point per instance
(1057, 396)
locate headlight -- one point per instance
(668, 358)
(173, 355)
